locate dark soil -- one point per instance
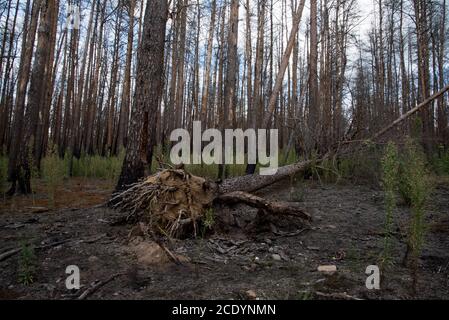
(347, 232)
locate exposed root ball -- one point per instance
(171, 202)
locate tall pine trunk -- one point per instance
(148, 92)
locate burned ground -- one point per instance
(279, 260)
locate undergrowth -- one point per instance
(98, 167)
(54, 170)
(415, 188)
(440, 162)
(390, 174)
(27, 264)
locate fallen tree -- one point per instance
(255, 182)
(175, 203)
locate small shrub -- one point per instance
(414, 178)
(208, 221)
(440, 162)
(27, 263)
(390, 175)
(415, 187)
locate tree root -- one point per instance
(175, 204)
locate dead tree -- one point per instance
(149, 83)
(173, 202)
(14, 171)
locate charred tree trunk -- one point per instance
(149, 83)
(230, 87)
(125, 101)
(206, 82)
(29, 35)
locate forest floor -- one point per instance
(279, 261)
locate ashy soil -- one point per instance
(277, 258)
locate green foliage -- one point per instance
(415, 181)
(361, 166)
(390, 173)
(417, 129)
(287, 158)
(3, 174)
(328, 171)
(200, 170)
(208, 221)
(415, 188)
(211, 171)
(414, 184)
(27, 264)
(205, 171)
(98, 167)
(54, 170)
(440, 163)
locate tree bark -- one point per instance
(231, 81)
(125, 101)
(313, 118)
(149, 84)
(29, 36)
(206, 82)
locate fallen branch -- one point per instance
(94, 239)
(89, 291)
(159, 242)
(274, 207)
(289, 234)
(13, 252)
(9, 253)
